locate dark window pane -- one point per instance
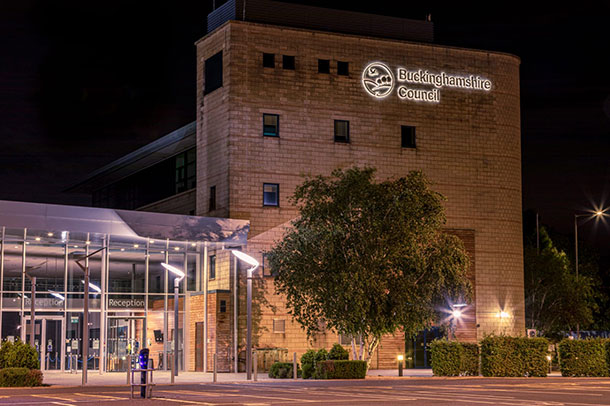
(213, 73)
(269, 60)
(342, 131)
(323, 66)
(212, 268)
(271, 194)
(288, 62)
(343, 68)
(271, 125)
(407, 136)
(212, 198)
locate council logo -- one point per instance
(378, 79)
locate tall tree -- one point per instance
(555, 300)
(367, 259)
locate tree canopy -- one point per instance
(365, 259)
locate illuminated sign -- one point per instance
(125, 303)
(378, 80)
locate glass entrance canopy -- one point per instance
(131, 300)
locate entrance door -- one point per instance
(199, 346)
(47, 339)
(126, 336)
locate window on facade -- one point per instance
(212, 267)
(271, 125)
(279, 326)
(213, 73)
(267, 271)
(323, 66)
(186, 170)
(342, 131)
(407, 136)
(271, 194)
(212, 198)
(268, 60)
(343, 68)
(223, 306)
(288, 62)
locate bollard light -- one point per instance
(400, 358)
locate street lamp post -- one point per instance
(254, 264)
(598, 213)
(179, 276)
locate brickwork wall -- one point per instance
(468, 144)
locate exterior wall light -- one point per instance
(503, 315)
(253, 265)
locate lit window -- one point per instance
(268, 60)
(407, 136)
(271, 194)
(343, 68)
(342, 131)
(279, 326)
(288, 62)
(212, 267)
(323, 66)
(271, 125)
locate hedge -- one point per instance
(338, 352)
(514, 356)
(15, 377)
(452, 358)
(282, 370)
(590, 357)
(308, 363)
(340, 369)
(18, 355)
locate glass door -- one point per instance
(52, 343)
(37, 336)
(124, 338)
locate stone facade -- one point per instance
(468, 144)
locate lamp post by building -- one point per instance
(179, 276)
(597, 213)
(254, 264)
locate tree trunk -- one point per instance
(354, 353)
(371, 348)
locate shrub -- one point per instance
(514, 356)
(584, 357)
(308, 361)
(452, 358)
(338, 353)
(340, 369)
(282, 370)
(14, 377)
(18, 355)
(321, 355)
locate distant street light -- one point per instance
(597, 213)
(179, 276)
(254, 264)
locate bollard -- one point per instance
(173, 368)
(56, 359)
(129, 369)
(255, 365)
(47, 362)
(294, 366)
(215, 371)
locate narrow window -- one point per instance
(212, 198)
(323, 66)
(279, 326)
(271, 194)
(213, 73)
(407, 136)
(268, 60)
(223, 306)
(288, 62)
(342, 131)
(267, 271)
(343, 68)
(212, 268)
(271, 125)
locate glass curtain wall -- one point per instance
(131, 296)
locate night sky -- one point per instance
(83, 83)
